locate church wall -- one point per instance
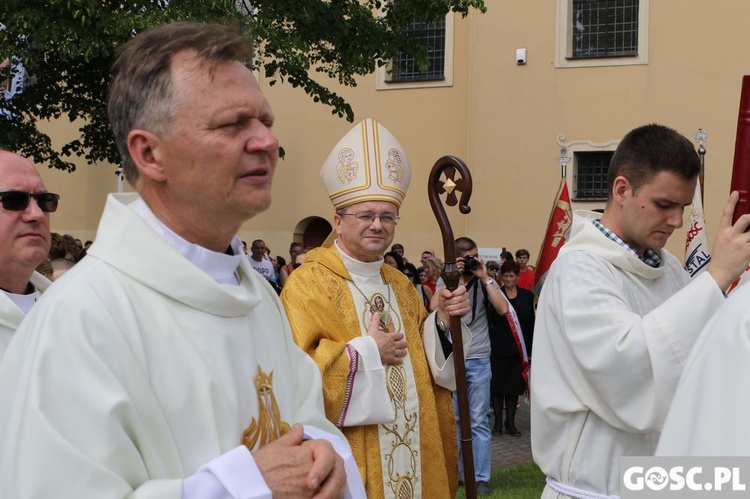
(503, 120)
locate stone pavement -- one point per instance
(507, 450)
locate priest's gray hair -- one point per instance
(140, 94)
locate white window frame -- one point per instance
(382, 83)
(576, 146)
(564, 48)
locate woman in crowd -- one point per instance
(412, 273)
(433, 268)
(286, 269)
(394, 260)
(417, 277)
(507, 379)
(278, 263)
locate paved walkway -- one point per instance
(508, 450)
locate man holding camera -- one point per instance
(483, 291)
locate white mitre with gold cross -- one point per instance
(368, 164)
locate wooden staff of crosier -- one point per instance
(449, 166)
(741, 166)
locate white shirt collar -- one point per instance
(24, 302)
(220, 266)
(356, 267)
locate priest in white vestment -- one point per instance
(25, 206)
(618, 316)
(708, 416)
(15, 306)
(162, 365)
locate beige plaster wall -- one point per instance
(82, 192)
(697, 56)
(504, 120)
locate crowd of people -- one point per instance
(64, 252)
(166, 365)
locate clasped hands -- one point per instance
(296, 468)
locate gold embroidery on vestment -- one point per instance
(395, 165)
(346, 168)
(269, 425)
(402, 482)
(400, 458)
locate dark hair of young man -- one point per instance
(649, 150)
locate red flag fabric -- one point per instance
(558, 231)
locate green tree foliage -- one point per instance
(67, 48)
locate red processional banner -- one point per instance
(558, 231)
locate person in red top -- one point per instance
(526, 276)
(433, 268)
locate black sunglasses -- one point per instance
(19, 200)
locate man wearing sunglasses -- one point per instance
(25, 206)
(163, 366)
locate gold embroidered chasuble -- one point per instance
(323, 316)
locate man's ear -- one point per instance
(337, 223)
(621, 189)
(145, 150)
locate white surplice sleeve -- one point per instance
(367, 400)
(442, 368)
(234, 475)
(708, 416)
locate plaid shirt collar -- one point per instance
(649, 257)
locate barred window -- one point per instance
(430, 35)
(591, 173)
(604, 28)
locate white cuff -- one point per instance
(443, 370)
(368, 401)
(234, 475)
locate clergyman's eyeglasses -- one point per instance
(19, 200)
(367, 217)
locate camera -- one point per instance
(470, 263)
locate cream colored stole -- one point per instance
(399, 440)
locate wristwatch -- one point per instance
(442, 326)
(490, 282)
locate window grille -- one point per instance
(590, 178)
(605, 28)
(431, 35)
